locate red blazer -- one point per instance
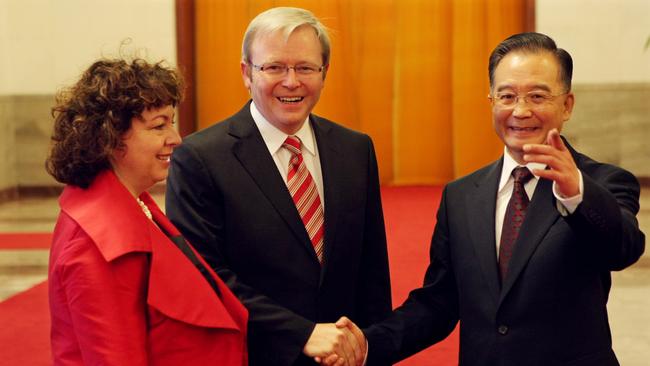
(121, 293)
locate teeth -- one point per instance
(290, 99)
(523, 128)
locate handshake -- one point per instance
(337, 344)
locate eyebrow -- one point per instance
(163, 116)
(534, 87)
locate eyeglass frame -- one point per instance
(547, 98)
(260, 68)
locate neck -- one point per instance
(518, 157)
(291, 131)
(136, 192)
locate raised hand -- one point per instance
(334, 345)
(563, 170)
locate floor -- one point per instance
(629, 299)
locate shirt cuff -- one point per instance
(567, 206)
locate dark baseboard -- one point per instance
(8, 194)
(20, 192)
(39, 191)
(15, 193)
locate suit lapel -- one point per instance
(252, 153)
(331, 161)
(481, 206)
(540, 215)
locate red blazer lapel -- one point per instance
(110, 215)
(107, 212)
(178, 290)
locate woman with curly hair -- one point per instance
(125, 288)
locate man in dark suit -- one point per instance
(285, 205)
(523, 262)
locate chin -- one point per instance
(159, 178)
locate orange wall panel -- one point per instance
(410, 73)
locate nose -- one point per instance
(174, 138)
(521, 109)
(290, 79)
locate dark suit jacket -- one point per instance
(226, 196)
(551, 307)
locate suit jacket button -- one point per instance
(502, 329)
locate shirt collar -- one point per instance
(509, 164)
(274, 138)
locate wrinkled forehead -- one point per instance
(528, 69)
(281, 33)
(302, 42)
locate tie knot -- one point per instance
(292, 143)
(522, 174)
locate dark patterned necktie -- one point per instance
(515, 214)
(305, 195)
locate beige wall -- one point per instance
(33, 126)
(45, 45)
(605, 37)
(611, 122)
(7, 145)
(611, 77)
(46, 49)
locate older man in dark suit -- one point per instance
(523, 248)
(284, 204)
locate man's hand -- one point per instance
(563, 170)
(359, 340)
(334, 345)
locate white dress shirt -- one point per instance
(274, 138)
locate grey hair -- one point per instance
(286, 20)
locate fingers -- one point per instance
(359, 336)
(563, 170)
(348, 347)
(553, 139)
(337, 344)
(331, 360)
(343, 322)
(327, 339)
(553, 143)
(359, 339)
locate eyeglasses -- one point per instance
(276, 69)
(536, 98)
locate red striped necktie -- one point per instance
(305, 195)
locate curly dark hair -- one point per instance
(91, 117)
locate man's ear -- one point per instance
(325, 69)
(246, 74)
(568, 106)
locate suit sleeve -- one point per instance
(107, 304)
(374, 295)
(194, 205)
(606, 219)
(429, 314)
